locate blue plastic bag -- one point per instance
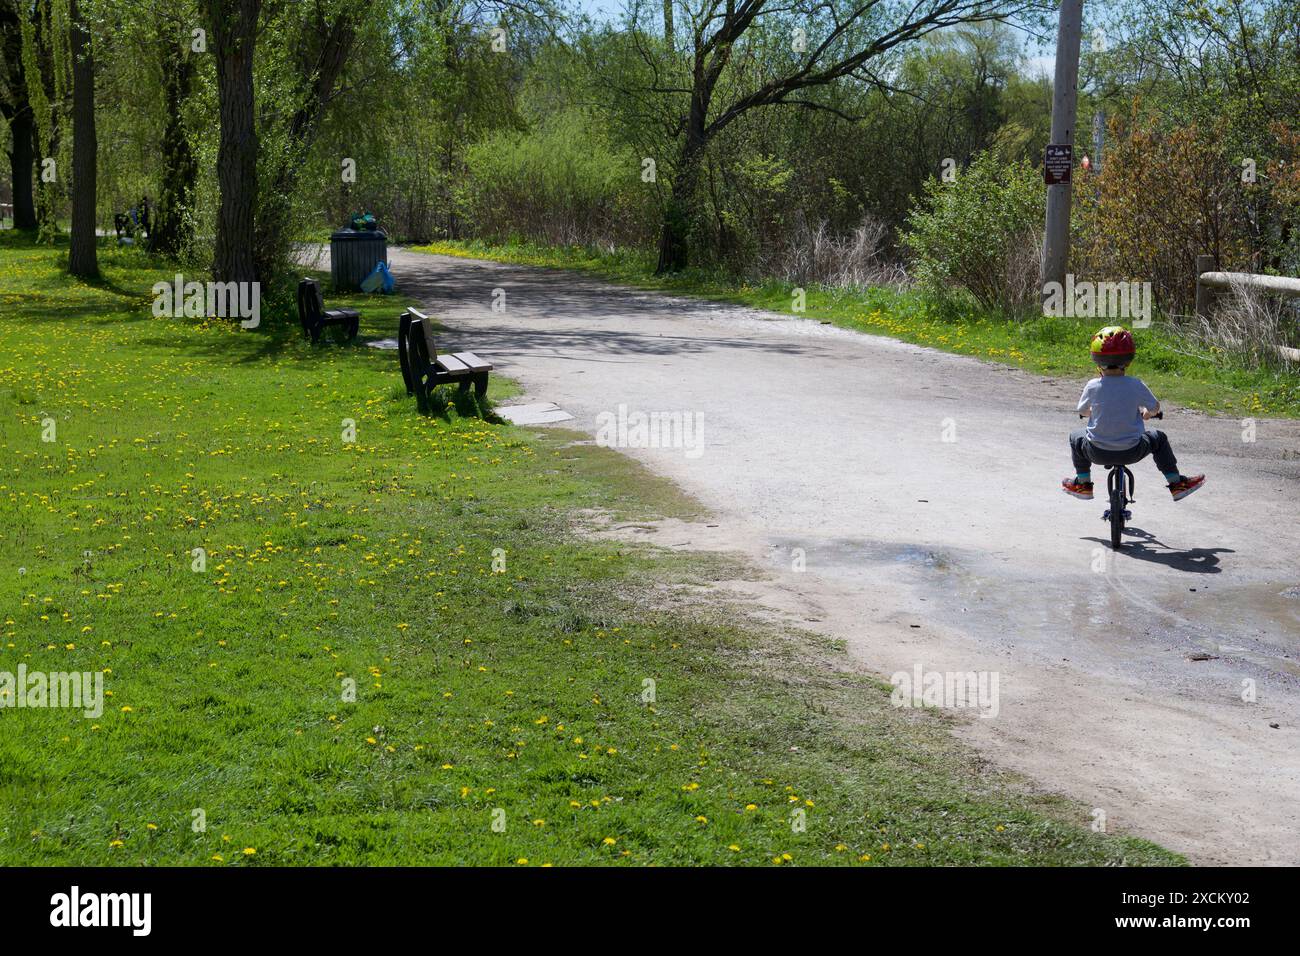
(380, 279)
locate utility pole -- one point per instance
(1065, 93)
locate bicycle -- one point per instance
(1120, 485)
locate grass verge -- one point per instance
(1175, 368)
(333, 631)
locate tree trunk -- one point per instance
(233, 27)
(674, 247)
(674, 253)
(22, 163)
(173, 230)
(16, 108)
(82, 259)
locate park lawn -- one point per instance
(501, 716)
(1176, 368)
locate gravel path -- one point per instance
(919, 493)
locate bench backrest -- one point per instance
(429, 348)
(310, 302)
(416, 347)
(404, 347)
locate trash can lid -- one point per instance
(345, 235)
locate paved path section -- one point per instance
(907, 501)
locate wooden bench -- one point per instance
(135, 222)
(424, 369)
(314, 316)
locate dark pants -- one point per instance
(1153, 443)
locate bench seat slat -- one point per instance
(453, 365)
(474, 363)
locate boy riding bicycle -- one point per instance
(1118, 406)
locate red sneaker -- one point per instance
(1080, 489)
(1185, 485)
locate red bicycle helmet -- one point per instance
(1113, 347)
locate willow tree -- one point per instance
(45, 68)
(167, 35)
(172, 231)
(16, 108)
(314, 46)
(83, 259)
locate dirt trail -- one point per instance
(918, 493)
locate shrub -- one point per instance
(1162, 198)
(563, 184)
(980, 233)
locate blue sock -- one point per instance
(1172, 476)
(1084, 477)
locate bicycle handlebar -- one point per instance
(1156, 415)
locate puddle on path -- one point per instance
(1097, 619)
(855, 553)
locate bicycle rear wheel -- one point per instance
(1117, 502)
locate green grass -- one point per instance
(478, 689)
(1175, 368)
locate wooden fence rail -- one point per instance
(1209, 282)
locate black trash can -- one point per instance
(354, 253)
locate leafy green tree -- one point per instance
(740, 56)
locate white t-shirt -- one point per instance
(1116, 420)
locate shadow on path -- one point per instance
(1147, 548)
(546, 294)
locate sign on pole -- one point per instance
(1058, 163)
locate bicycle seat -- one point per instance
(1129, 456)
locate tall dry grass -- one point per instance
(812, 255)
(1256, 328)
